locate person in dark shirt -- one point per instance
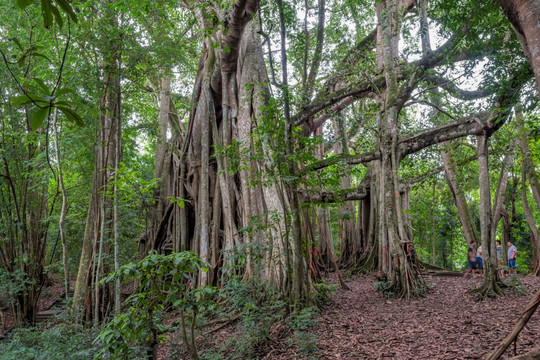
(471, 255)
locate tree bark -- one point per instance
(63, 209)
(397, 258)
(525, 17)
(108, 145)
(535, 232)
(490, 286)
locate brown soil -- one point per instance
(447, 324)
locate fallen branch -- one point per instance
(522, 321)
(443, 273)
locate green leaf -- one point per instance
(20, 100)
(71, 115)
(41, 55)
(23, 4)
(63, 91)
(64, 5)
(37, 117)
(47, 13)
(57, 16)
(42, 85)
(17, 42)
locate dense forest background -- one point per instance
(178, 153)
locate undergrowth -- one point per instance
(515, 285)
(61, 342)
(265, 322)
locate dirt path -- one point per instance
(447, 324)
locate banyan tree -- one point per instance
(236, 177)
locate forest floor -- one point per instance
(447, 324)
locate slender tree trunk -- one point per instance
(348, 237)
(108, 143)
(434, 201)
(450, 172)
(299, 282)
(116, 235)
(64, 204)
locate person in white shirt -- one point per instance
(512, 253)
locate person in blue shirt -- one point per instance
(512, 253)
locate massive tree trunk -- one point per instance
(535, 232)
(89, 300)
(397, 258)
(236, 207)
(490, 286)
(528, 172)
(525, 17)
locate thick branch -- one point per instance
(376, 84)
(327, 197)
(458, 93)
(341, 158)
(241, 14)
(520, 324)
(471, 125)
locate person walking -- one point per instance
(512, 253)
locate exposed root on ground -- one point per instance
(490, 289)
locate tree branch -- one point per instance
(328, 197)
(458, 93)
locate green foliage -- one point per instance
(44, 103)
(14, 283)
(263, 316)
(61, 342)
(165, 280)
(260, 308)
(322, 292)
(50, 10)
(515, 285)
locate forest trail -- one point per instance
(447, 324)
